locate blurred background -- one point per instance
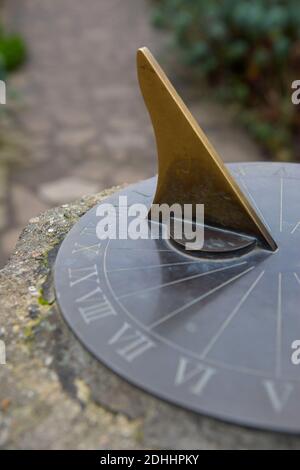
(75, 123)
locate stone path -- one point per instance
(80, 107)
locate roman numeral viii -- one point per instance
(94, 306)
(130, 343)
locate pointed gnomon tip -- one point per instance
(144, 56)
(141, 54)
(142, 51)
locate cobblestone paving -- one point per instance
(81, 110)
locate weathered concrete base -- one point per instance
(54, 395)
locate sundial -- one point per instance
(210, 330)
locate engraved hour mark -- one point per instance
(296, 227)
(183, 279)
(230, 317)
(279, 327)
(90, 229)
(241, 170)
(91, 296)
(95, 248)
(278, 397)
(97, 311)
(153, 266)
(78, 275)
(95, 306)
(131, 343)
(198, 299)
(147, 196)
(297, 278)
(281, 171)
(194, 374)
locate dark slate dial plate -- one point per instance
(211, 335)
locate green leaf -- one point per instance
(12, 50)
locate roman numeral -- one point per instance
(240, 171)
(97, 311)
(83, 274)
(90, 229)
(89, 248)
(281, 171)
(296, 227)
(131, 343)
(92, 296)
(279, 395)
(98, 306)
(194, 374)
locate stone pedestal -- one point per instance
(54, 395)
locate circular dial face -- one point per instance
(214, 335)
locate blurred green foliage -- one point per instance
(12, 52)
(12, 56)
(248, 50)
